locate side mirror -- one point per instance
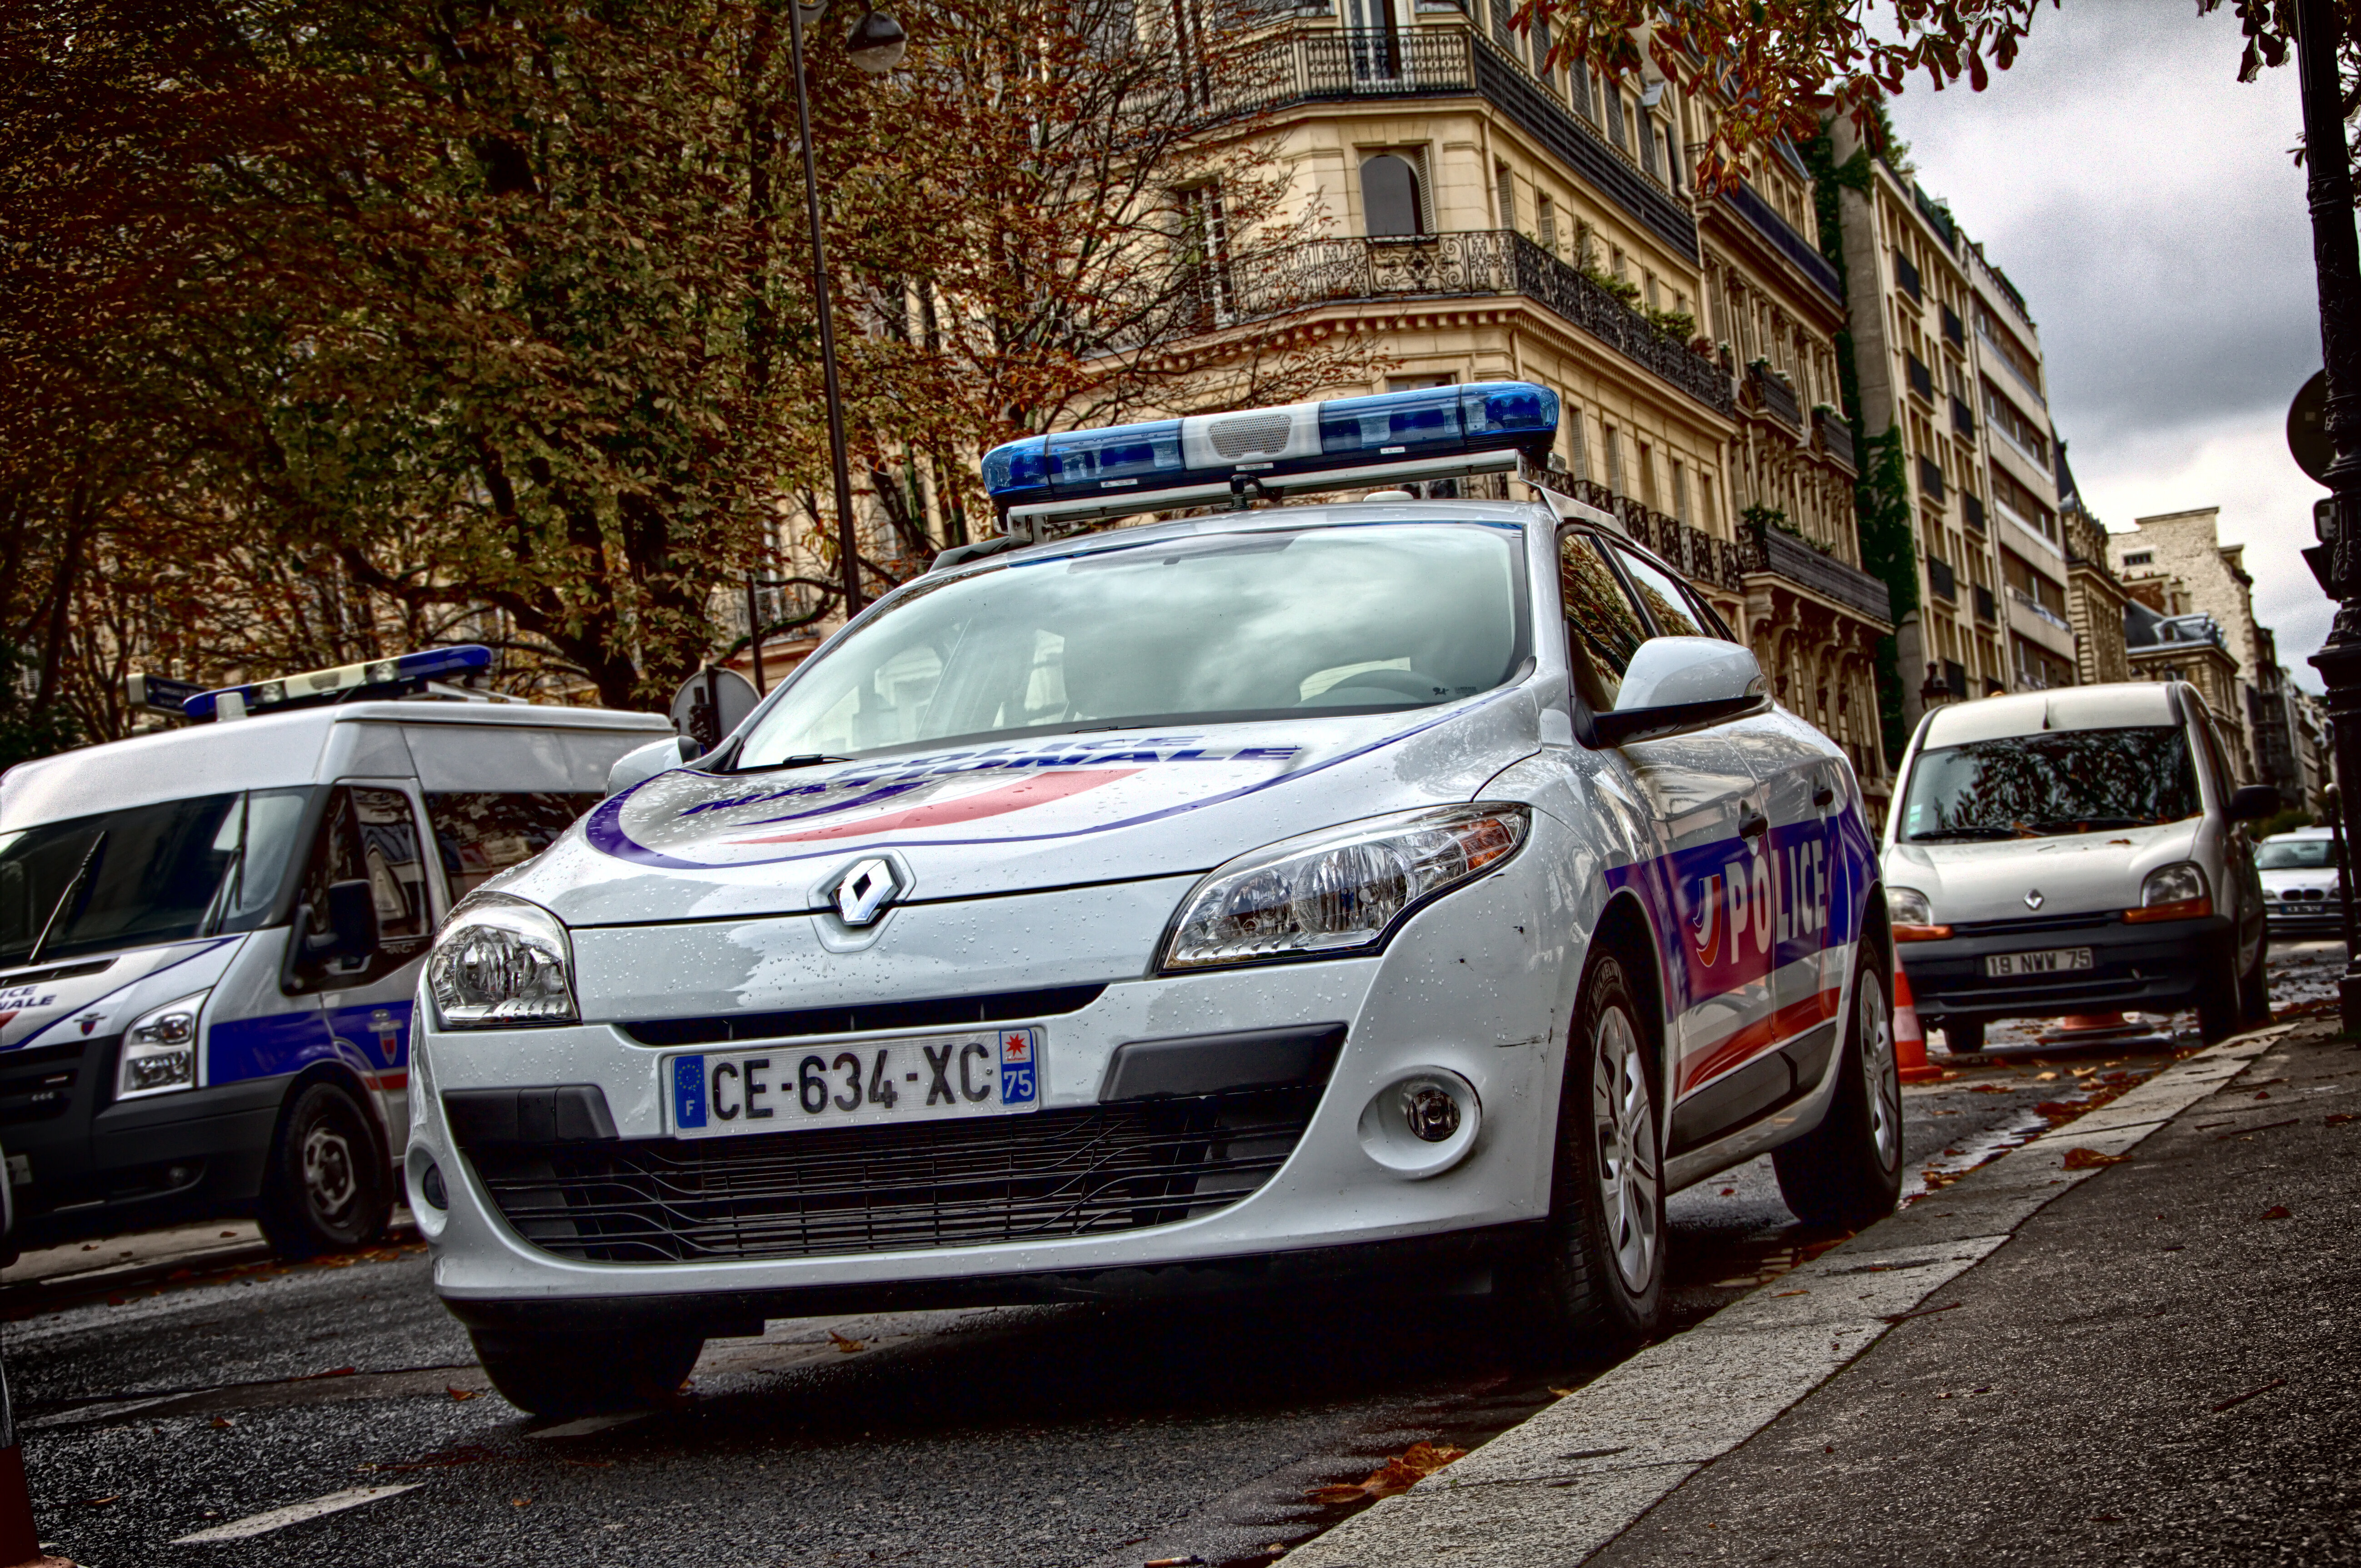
(352, 921)
(645, 762)
(2252, 803)
(1682, 683)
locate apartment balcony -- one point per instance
(1922, 380)
(1963, 419)
(1972, 508)
(1931, 479)
(1469, 264)
(1769, 391)
(1318, 65)
(1955, 331)
(1695, 554)
(1764, 219)
(1986, 611)
(1939, 580)
(1783, 554)
(1834, 437)
(1906, 274)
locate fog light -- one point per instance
(430, 1187)
(1430, 1111)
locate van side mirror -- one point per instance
(2252, 803)
(352, 921)
(1681, 682)
(645, 763)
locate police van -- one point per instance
(210, 939)
(1274, 894)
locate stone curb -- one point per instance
(1577, 1474)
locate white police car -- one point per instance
(1264, 897)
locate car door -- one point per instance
(1700, 879)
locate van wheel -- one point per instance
(585, 1375)
(2255, 990)
(2219, 1005)
(1600, 1279)
(1848, 1170)
(324, 1189)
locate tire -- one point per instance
(568, 1374)
(2220, 1010)
(1847, 1171)
(326, 1189)
(2255, 989)
(1964, 1036)
(1600, 1283)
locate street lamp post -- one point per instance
(875, 46)
(2336, 260)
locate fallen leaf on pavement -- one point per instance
(849, 1346)
(2043, 1077)
(2336, 1119)
(2079, 1158)
(1777, 1294)
(2262, 1095)
(101, 1502)
(461, 1394)
(2237, 1399)
(223, 1422)
(228, 1235)
(1988, 1089)
(1729, 1192)
(520, 1502)
(1191, 1560)
(2277, 1211)
(1401, 1472)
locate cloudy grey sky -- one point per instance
(2143, 201)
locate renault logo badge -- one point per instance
(2032, 900)
(865, 891)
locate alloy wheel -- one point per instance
(1623, 1124)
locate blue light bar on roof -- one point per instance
(314, 685)
(1331, 445)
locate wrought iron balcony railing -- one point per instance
(1783, 554)
(1834, 436)
(1939, 580)
(1931, 479)
(1922, 380)
(1986, 611)
(1774, 396)
(1468, 264)
(1765, 220)
(1695, 554)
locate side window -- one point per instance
(1668, 602)
(1602, 631)
(480, 833)
(2217, 774)
(367, 835)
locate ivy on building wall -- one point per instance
(1882, 495)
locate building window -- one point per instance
(1647, 126)
(1393, 198)
(1205, 244)
(1545, 222)
(1615, 120)
(1583, 103)
(1505, 183)
(1614, 458)
(2140, 558)
(1648, 476)
(1578, 458)
(1680, 491)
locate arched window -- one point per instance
(1390, 197)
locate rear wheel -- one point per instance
(1601, 1277)
(1848, 1170)
(585, 1375)
(1965, 1036)
(326, 1189)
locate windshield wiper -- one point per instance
(231, 890)
(49, 926)
(2084, 823)
(807, 760)
(1965, 833)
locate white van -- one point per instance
(2076, 851)
(209, 943)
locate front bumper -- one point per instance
(2157, 967)
(1464, 987)
(2307, 916)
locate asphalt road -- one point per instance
(183, 1382)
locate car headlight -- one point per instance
(1909, 907)
(499, 963)
(1341, 891)
(159, 1050)
(2177, 892)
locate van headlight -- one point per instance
(1339, 892)
(499, 963)
(159, 1050)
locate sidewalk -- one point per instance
(2145, 1359)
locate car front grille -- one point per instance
(38, 1085)
(843, 1191)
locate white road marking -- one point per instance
(295, 1513)
(589, 1424)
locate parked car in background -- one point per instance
(2080, 851)
(210, 939)
(2302, 878)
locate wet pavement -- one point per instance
(181, 1382)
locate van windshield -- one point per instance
(2296, 855)
(2071, 781)
(1200, 630)
(144, 875)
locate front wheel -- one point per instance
(2220, 1005)
(2255, 990)
(1848, 1170)
(1601, 1275)
(324, 1189)
(568, 1375)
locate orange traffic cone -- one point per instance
(20, 1544)
(1910, 1034)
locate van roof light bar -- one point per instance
(405, 675)
(1434, 433)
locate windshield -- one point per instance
(149, 874)
(1197, 631)
(2296, 855)
(2073, 781)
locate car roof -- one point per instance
(1516, 514)
(2303, 833)
(273, 751)
(2123, 706)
